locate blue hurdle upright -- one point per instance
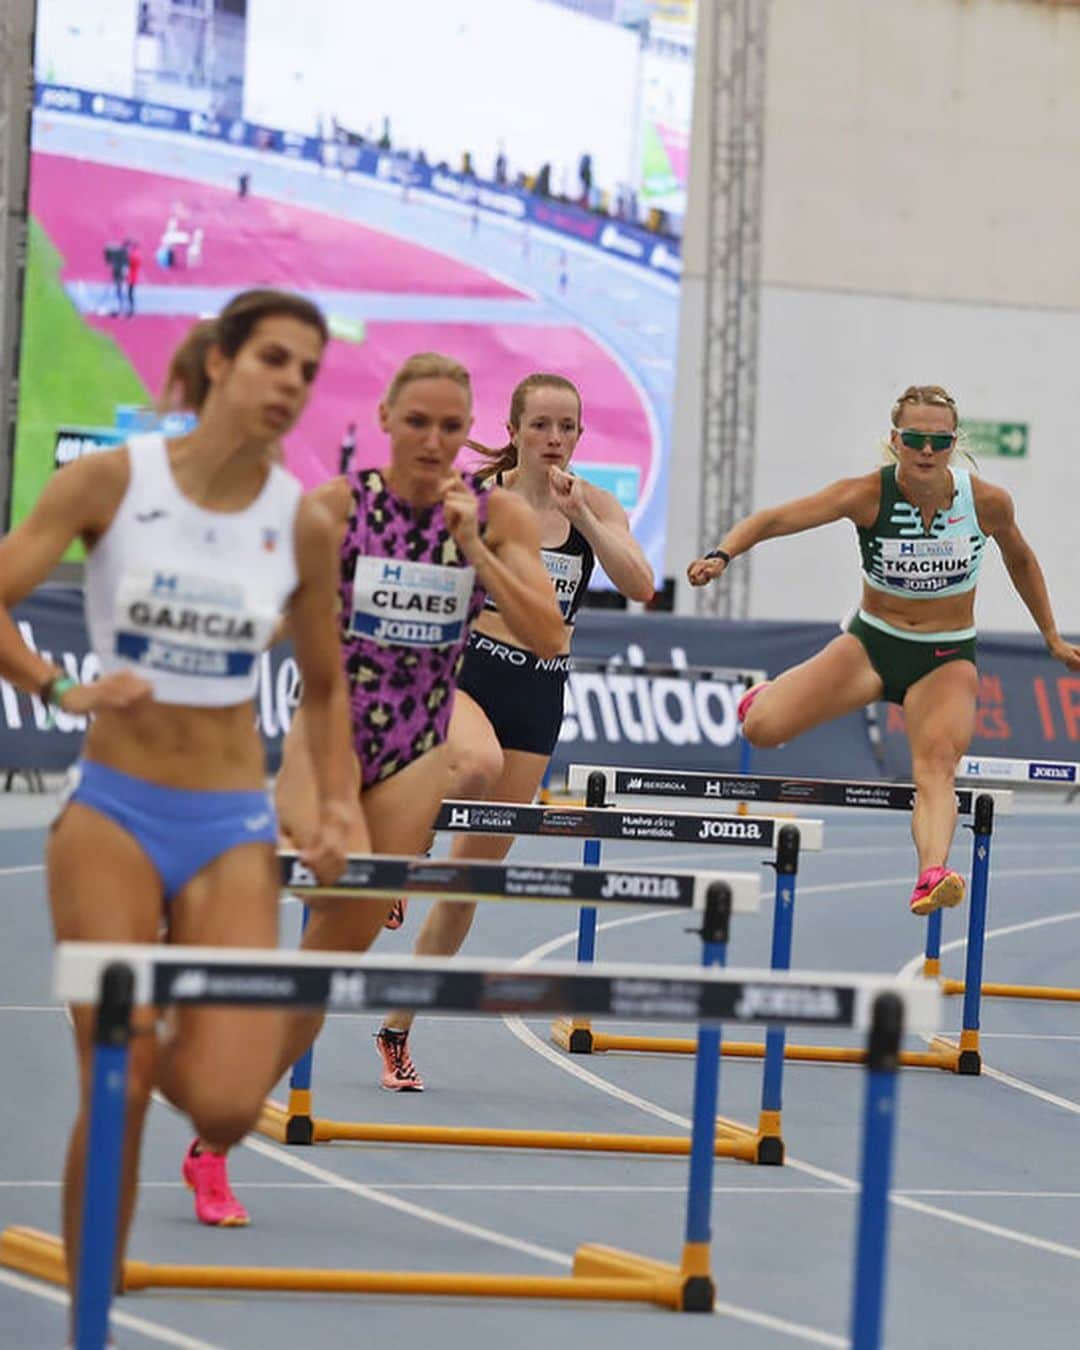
(165, 975)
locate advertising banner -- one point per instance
(1029, 707)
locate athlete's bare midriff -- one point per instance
(492, 625)
(944, 615)
(208, 749)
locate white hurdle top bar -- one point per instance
(240, 976)
(381, 876)
(646, 825)
(720, 787)
(1044, 772)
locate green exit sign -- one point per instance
(1007, 439)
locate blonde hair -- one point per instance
(506, 457)
(927, 396)
(428, 366)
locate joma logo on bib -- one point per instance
(408, 603)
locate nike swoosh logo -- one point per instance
(948, 651)
(254, 823)
(955, 520)
(144, 517)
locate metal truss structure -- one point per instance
(16, 102)
(736, 147)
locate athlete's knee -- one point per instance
(763, 731)
(936, 754)
(476, 767)
(222, 1115)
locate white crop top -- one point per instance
(185, 597)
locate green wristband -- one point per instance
(56, 688)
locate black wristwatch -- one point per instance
(719, 553)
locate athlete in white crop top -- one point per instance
(195, 548)
(922, 525)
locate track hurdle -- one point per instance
(1040, 773)
(119, 977)
(595, 822)
(379, 877)
(636, 676)
(962, 1056)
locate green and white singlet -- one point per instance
(901, 556)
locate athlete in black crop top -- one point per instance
(509, 703)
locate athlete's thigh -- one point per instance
(838, 680)
(401, 810)
(940, 708)
(522, 774)
(103, 888)
(296, 794)
(232, 902)
(471, 744)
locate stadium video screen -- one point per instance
(516, 201)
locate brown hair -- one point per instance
(428, 366)
(186, 383)
(507, 457)
(924, 395)
(186, 378)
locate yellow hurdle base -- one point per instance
(942, 1054)
(1032, 991)
(278, 1123)
(599, 1274)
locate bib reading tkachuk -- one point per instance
(904, 556)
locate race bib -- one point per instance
(189, 625)
(410, 604)
(925, 565)
(565, 571)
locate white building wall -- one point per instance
(922, 224)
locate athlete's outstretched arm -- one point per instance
(313, 626)
(603, 522)
(997, 516)
(78, 502)
(507, 561)
(849, 499)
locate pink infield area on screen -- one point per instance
(245, 242)
(355, 375)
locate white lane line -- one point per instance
(794, 1329)
(19, 871)
(902, 1201)
(1023, 1036)
(31, 1007)
(141, 1325)
(362, 1192)
(482, 1187)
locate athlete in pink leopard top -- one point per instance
(419, 549)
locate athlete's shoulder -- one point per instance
(993, 504)
(859, 498)
(90, 489)
(334, 498)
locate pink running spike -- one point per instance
(207, 1175)
(936, 888)
(396, 917)
(747, 699)
(399, 1072)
